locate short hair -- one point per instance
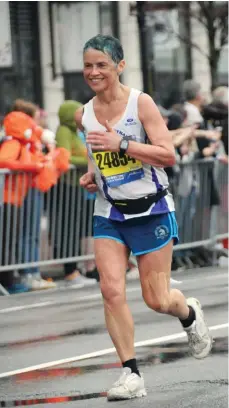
(220, 95)
(29, 108)
(108, 45)
(191, 89)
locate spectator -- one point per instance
(217, 113)
(31, 211)
(193, 102)
(68, 137)
(193, 105)
(188, 189)
(217, 110)
(206, 139)
(205, 145)
(175, 120)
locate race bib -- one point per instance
(118, 169)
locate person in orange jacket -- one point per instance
(22, 150)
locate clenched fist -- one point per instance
(87, 181)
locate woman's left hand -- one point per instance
(107, 141)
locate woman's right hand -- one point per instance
(87, 181)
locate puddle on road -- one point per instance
(79, 332)
(51, 400)
(155, 355)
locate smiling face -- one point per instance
(100, 71)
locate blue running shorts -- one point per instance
(140, 235)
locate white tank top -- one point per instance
(125, 178)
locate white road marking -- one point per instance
(96, 296)
(104, 352)
(54, 302)
(217, 276)
(77, 300)
(33, 305)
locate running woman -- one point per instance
(128, 147)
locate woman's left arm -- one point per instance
(160, 152)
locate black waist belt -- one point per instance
(137, 206)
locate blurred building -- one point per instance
(41, 50)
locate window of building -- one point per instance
(169, 61)
(23, 78)
(73, 24)
(223, 67)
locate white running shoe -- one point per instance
(199, 338)
(41, 284)
(35, 282)
(133, 274)
(128, 386)
(76, 280)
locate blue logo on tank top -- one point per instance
(130, 122)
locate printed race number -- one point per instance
(117, 169)
(106, 160)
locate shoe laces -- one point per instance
(121, 380)
(125, 379)
(195, 339)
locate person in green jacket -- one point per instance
(69, 197)
(67, 134)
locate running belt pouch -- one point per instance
(137, 206)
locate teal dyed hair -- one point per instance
(108, 45)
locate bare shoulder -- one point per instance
(153, 122)
(145, 98)
(79, 116)
(146, 106)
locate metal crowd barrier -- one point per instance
(51, 228)
(201, 202)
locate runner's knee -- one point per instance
(113, 295)
(158, 303)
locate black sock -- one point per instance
(190, 319)
(132, 364)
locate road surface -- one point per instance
(55, 351)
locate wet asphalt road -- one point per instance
(48, 326)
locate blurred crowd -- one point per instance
(199, 130)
